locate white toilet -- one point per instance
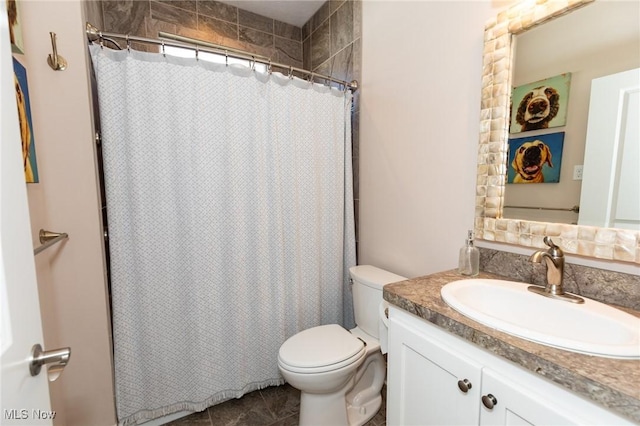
(340, 373)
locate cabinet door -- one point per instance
(515, 404)
(423, 381)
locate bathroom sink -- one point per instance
(591, 328)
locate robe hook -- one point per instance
(55, 61)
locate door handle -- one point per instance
(55, 361)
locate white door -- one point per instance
(429, 383)
(24, 399)
(509, 403)
(610, 195)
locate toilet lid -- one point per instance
(322, 348)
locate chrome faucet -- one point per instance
(554, 260)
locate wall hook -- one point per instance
(55, 61)
(48, 238)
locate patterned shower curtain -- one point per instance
(231, 228)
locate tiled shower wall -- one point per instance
(329, 43)
(207, 20)
(332, 46)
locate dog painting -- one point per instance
(15, 31)
(26, 126)
(535, 159)
(540, 105)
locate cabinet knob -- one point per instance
(464, 385)
(489, 401)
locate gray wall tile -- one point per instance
(282, 29)
(189, 5)
(174, 15)
(324, 68)
(256, 37)
(289, 51)
(306, 54)
(306, 30)
(154, 26)
(218, 10)
(342, 27)
(93, 13)
(320, 45)
(216, 26)
(342, 64)
(255, 21)
(320, 16)
(357, 19)
(125, 16)
(357, 61)
(335, 4)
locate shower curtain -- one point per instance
(230, 214)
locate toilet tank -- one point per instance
(367, 295)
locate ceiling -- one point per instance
(294, 12)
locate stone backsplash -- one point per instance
(606, 286)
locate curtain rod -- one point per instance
(575, 209)
(94, 34)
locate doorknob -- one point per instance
(55, 361)
(489, 401)
(464, 385)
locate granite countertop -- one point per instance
(613, 383)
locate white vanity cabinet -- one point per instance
(436, 378)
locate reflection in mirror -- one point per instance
(587, 46)
(490, 224)
(611, 185)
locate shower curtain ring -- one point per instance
(128, 43)
(163, 52)
(253, 63)
(269, 67)
(101, 40)
(197, 52)
(310, 78)
(290, 71)
(226, 58)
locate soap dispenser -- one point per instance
(469, 261)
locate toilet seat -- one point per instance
(320, 349)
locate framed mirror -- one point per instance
(493, 152)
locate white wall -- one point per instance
(71, 275)
(419, 126)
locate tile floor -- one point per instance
(273, 406)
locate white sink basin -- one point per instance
(591, 328)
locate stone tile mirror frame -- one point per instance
(603, 243)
